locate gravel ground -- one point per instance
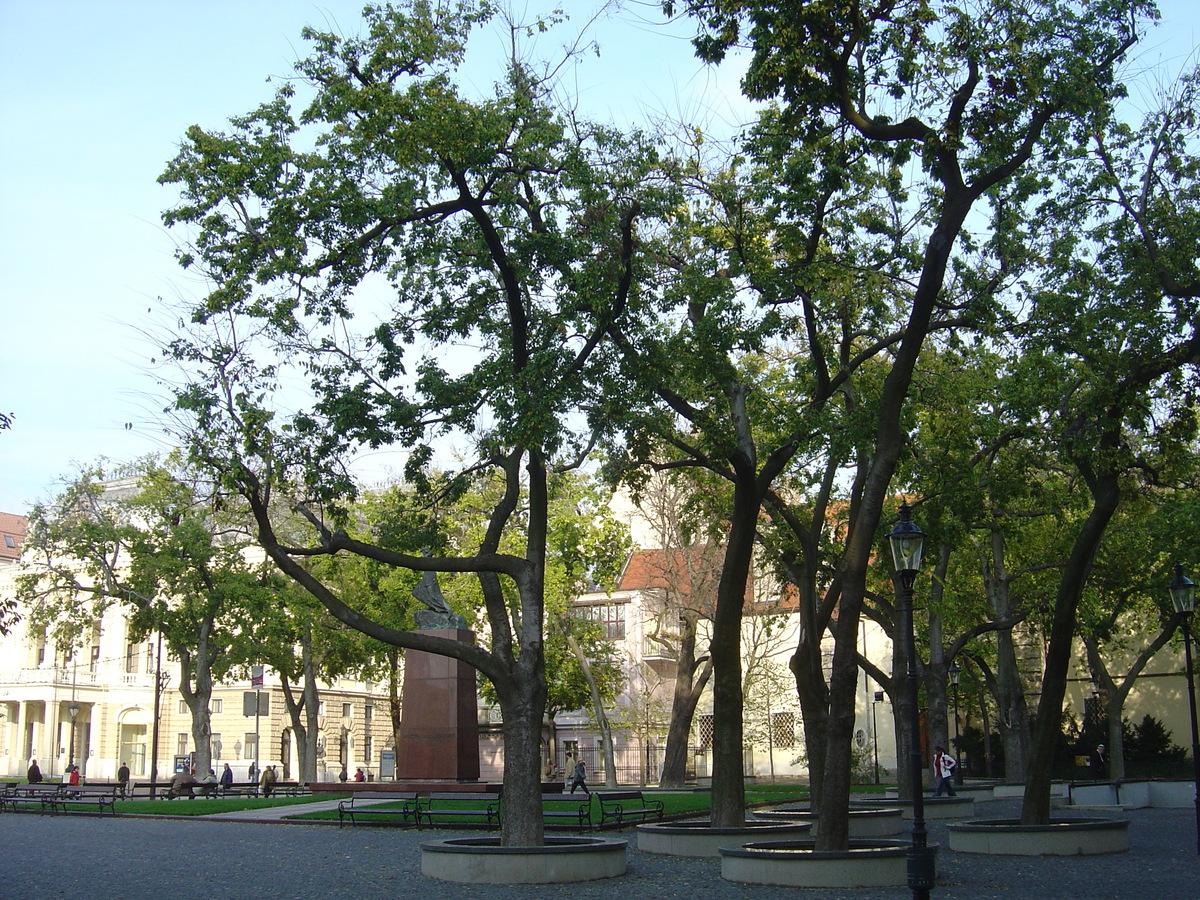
(145, 859)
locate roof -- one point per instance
(12, 536)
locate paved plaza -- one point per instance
(257, 857)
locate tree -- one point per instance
(486, 244)
(972, 94)
(159, 540)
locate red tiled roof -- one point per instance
(12, 535)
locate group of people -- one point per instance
(34, 773)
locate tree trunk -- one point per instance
(585, 666)
(688, 689)
(1105, 490)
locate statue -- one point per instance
(437, 613)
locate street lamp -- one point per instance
(1183, 596)
(954, 677)
(73, 711)
(875, 730)
(907, 542)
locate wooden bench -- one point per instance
(238, 789)
(567, 806)
(409, 811)
(627, 805)
(290, 789)
(460, 803)
(147, 790)
(80, 797)
(29, 796)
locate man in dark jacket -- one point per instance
(34, 774)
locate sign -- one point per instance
(256, 677)
(387, 764)
(256, 702)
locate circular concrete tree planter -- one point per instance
(864, 823)
(868, 863)
(1074, 836)
(699, 838)
(562, 860)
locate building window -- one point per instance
(368, 748)
(216, 706)
(783, 729)
(183, 707)
(9, 542)
(131, 659)
(321, 708)
(610, 616)
(347, 710)
(181, 744)
(706, 731)
(368, 712)
(94, 662)
(250, 746)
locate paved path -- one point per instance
(211, 858)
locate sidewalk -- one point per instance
(109, 858)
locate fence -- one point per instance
(634, 765)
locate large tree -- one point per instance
(435, 267)
(972, 93)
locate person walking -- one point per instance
(943, 771)
(579, 778)
(123, 778)
(226, 777)
(568, 772)
(1099, 763)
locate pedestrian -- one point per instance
(73, 775)
(568, 769)
(360, 775)
(252, 773)
(34, 774)
(267, 784)
(123, 778)
(579, 778)
(1099, 762)
(226, 777)
(943, 771)
(342, 776)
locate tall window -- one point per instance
(94, 661)
(181, 744)
(611, 616)
(216, 706)
(131, 659)
(250, 746)
(369, 712)
(183, 707)
(347, 710)
(214, 741)
(706, 731)
(368, 747)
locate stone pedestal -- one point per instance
(439, 728)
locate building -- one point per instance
(94, 705)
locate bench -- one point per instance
(238, 789)
(567, 806)
(357, 813)
(78, 797)
(290, 789)
(627, 805)
(460, 803)
(147, 790)
(23, 796)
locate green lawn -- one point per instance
(203, 806)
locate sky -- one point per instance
(95, 96)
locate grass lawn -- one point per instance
(203, 806)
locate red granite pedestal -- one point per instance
(439, 728)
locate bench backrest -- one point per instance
(383, 795)
(461, 795)
(620, 795)
(566, 798)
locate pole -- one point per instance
(875, 731)
(921, 875)
(158, 685)
(257, 739)
(1187, 652)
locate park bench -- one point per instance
(290, 789)
(238, 789)
(81, 797)
(358, 813)
(460, 803)
(627, 805)
(147, 790)
(29, 796)
(567, 806)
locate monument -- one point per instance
(439, 725)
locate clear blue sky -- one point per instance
(94, 96)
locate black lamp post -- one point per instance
(1183, 596)
(875, 730)
(73, 711)
(907, 541)
(954, 676)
